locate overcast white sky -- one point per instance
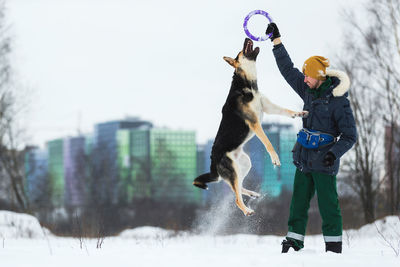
(89, 61)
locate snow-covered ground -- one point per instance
(23, 243)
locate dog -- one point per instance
(242, 115)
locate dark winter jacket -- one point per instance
(330, 113)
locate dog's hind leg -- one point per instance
(237, 189)
(245, 166)
(230, 172)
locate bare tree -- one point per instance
(361, 165)
(371, 57)
(11, 158)
(385, 55)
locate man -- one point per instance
(328, 132)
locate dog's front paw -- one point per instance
(275, 158)
(301, 114)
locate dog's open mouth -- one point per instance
(248, 49)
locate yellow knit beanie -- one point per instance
(315, 67)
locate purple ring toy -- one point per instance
(246, 19)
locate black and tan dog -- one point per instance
(241, 119)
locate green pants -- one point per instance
(304, 187)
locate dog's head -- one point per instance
(245, 62)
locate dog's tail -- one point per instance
(203, 179)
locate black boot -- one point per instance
(333, 246)
(286, 244)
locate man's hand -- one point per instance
(329, 159)
(272, 28)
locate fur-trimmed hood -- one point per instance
(344, 84)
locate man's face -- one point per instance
(311, 82)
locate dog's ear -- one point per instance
(230, 61)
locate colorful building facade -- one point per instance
(55, 150)
(36, 174)
(106, 154)
(74, 170)
(133, 161)
(158, 163)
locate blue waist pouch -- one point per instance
(312, 139)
